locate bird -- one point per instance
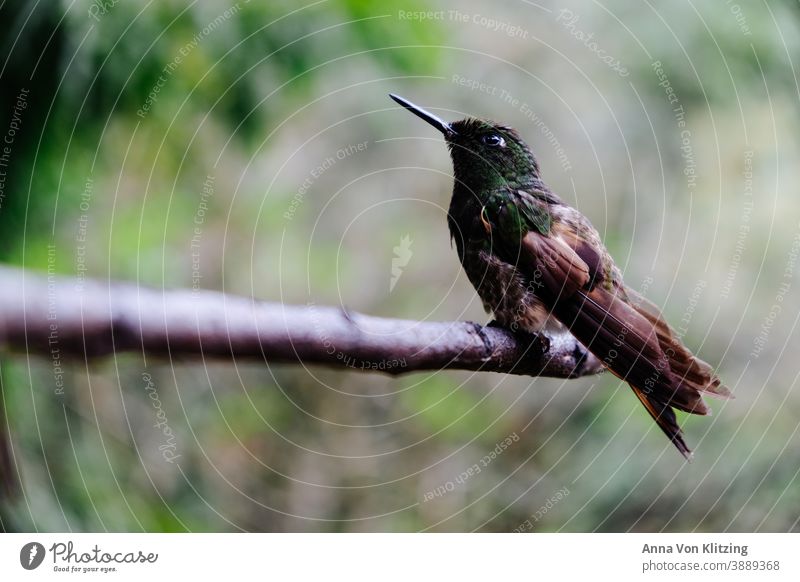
(539, 265)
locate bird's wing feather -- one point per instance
(552, 265)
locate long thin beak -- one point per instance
(436, 122)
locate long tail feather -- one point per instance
(685, 365)
(666, 421)
(631, 344)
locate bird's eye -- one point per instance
(494, 140)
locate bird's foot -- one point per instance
(544, 342)
(536, 341)
(579, 354)
(585, 362)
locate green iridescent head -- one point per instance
(490, 155)
(486, 155)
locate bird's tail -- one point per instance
(635, 343)
(666, 420)
(689, 370)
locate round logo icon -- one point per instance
(31, 555)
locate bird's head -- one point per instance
(486, 155)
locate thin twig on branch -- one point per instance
(60, 316)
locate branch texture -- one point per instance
(59, 316)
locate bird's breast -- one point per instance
(504, 291)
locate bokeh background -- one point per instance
(672, 126)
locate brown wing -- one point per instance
(553, 266)
(613, 330)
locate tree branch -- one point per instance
(60, 316)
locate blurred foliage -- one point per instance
(253, 98)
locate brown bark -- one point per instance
(54, 315)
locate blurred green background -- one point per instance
(216, 144)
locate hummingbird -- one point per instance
(539, 265)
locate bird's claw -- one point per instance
(544, 342)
